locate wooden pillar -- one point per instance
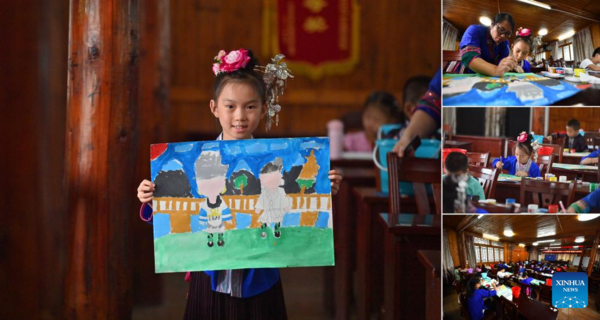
(593, 253)
(155, 65)
(538, 120)
(101, 139)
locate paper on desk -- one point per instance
(589, 79)
(508, 177)
(574, 166)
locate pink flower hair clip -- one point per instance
(522, 137)
(523, 32)
(230, 62)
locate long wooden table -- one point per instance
(432, 261)
(369, 245)
(529, 309)
(506, 189)
(574, 158)
(341, 287)
(586, 172)
(406, 284)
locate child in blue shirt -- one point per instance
(521, 164)
(476, 296)
(589, 204)
(521, 48)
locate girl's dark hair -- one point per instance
(527, 41)
(471, 286)
(526, 146)
(504, 16)
(387, 103)
(246, 75)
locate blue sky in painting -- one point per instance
(250, 155)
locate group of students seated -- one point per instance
(381, 108)
(460, 186)
(476, 293)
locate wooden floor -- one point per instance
(303, 290)
(452, 308)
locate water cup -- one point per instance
(593, 186)
(510, 201)
(562, 179)
(532, 208)
(553, 208)
(579, 71)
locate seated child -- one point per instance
(380, 108)
(458, 164)
(573, 139)
(521, 164)
(521, 48)
(476, 296)
(502, 273)
(592, 63)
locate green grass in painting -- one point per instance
(297, 246)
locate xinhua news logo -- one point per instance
(570, 290)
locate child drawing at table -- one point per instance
(273, 201)
(476, 296)
(521, 48)
(211, 177)
(522, 164)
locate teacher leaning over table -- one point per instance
(486, 50)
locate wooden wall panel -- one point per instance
(518, 253)
(399, 39)
(32, 102)
(589, 118)
(595, 30)
(453, 244)
(495, 146)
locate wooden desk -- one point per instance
(534, 310)
(338, 280)
(369, 245)
(457, 144)
(573, 158)
(512, 190)
(590, 172)
(432, 261)
(405, 280)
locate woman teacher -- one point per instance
(486, 50)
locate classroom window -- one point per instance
(480, 240)
(488, 251)
(567, 50)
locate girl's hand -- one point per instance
(507, 64)
(499, 165)
(521, 174)
(336, 179)
(145, 191)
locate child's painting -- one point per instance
(515, 89)
(261, 203)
